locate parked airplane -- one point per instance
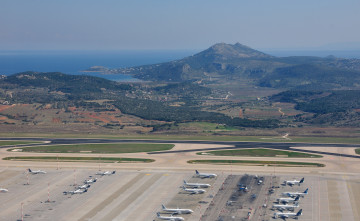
(205, 175)
(85, 186)
(36, 171)
(77, 191)
(177, 211)
(288, 215)
(282, 207)
(193, 191)
(197, 185)
(171, 218)
(295, 194)
(293, 182)
(287, 200)
(93, 180)
(105, 173)
(2, 190)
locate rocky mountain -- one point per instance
(223, 52)
(222, 63)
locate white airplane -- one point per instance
(285, 207)
(105, 173)
(36, 171)
(197, 185)
(293, 182)
(205, 175)
(193, 191)
(77, 191)
(2, 190)
(295, 194)
(93, 180)
(176, 211)
(171, 218)
(288, 200)
(85, 186)
(288, 215)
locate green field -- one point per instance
(82, 159)
(357, 151)
(10, 142)
(99, 148)
(206, 126)
(260, 153)
(257, 163)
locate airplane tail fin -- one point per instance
(185, 182)
(306, 191)
(85, 190)
(302, 180)
(158, 214)
(163, 207)
(29, 170)
(297, 198)
(197, 172)
(299, 213)
(113, 172)
(183, 187)
(297, 203)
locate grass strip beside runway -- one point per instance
(257, 163)
(260, 152)
(99, 148)
(81, 159)
(9, 142)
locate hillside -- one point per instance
(340, 107)
(225, 62)
(99, 103)
(226, 89)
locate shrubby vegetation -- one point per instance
(155, 110)
(321, 102)
(310, 77)
(63, 90)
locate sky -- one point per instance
(178, 24)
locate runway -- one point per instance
(145, 186)
(228, 144)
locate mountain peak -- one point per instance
(225, 51)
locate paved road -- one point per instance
(232, 144)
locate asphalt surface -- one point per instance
(232, 144)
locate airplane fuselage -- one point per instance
(205, 175)
(178, 211)
(105, 173)
(284, 207)
(2, 190)
(197, 185)
(288, 215)
(172, 218)
(286, 200)
(194, 191)
(36, 171)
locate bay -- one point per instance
(74, 62)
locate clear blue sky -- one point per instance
(177, 24)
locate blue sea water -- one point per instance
(73, 62)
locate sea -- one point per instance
(75, 62)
